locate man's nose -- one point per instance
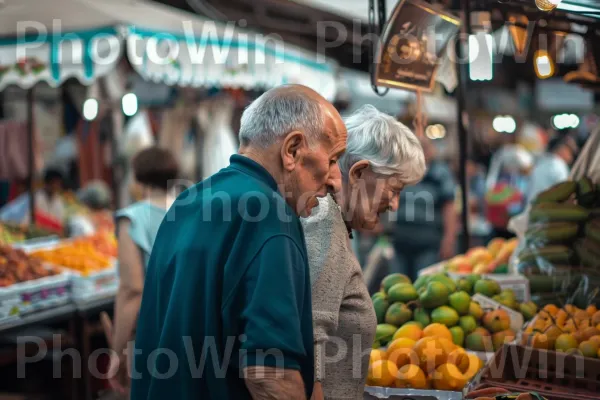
(334, 182)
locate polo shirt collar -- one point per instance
(252, 168)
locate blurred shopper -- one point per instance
(228, 283)
(426, 230)
(154, 170)
(97, 197)
(553, 166)
(381, 158)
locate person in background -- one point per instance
(427, 222)
(97, 197)
(553, 166)
(382, 157)
(49, 199)
(228, 283)
(155, 170)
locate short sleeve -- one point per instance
(277, 291)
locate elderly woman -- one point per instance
(381, 158)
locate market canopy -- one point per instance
(54, 40)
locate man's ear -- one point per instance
(357, 171)
(290, 150)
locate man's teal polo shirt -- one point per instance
(227, 286)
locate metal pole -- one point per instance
(462, 120)
(30, 156)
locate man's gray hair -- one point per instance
(389, 146)
(278, 112)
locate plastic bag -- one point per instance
(559, 244)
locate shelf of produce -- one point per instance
(52, 315)
(376, 392)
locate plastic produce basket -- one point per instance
(35, 295)
(375, 392)
(554, 375)
(94, 286)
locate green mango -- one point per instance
(421, 316)
(460, 301)
(392, 280)
(446, 280)
(465, 286)
(487, 287)
(398, 314)
(445, 315)
(384, 333)
(381, 305)
(421, 282)
(435, 295)
(402, 292)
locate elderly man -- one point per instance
(226, 310)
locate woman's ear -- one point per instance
(357, 171)
(291, 148)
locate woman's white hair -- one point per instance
(389, 146)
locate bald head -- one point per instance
(285, 109)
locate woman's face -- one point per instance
(368, 195)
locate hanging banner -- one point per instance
(412, 45)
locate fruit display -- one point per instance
(561, 256)
(492, 259)
(428, 325)
(16, 267)
(86, 255)
(568, 329)
(12, 233)
(494, 393)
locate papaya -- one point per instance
(381, 305)
(553, 254)
(588, 251)
(586, 192)
(552, 232)
(557, 193)
(592, 229)
(558, 213)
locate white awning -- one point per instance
(53, 40)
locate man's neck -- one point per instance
(261, 158)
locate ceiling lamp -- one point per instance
(547, 5)
(543, 64)
(504, 124)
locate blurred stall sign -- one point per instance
(556, 95)
(412, 45)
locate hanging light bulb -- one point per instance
(543, 64)
(547, 5)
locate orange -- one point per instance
(588, 348)
(460, 358)
(382, 373)
(411, 376)
(400, 352)
(552, 309)
(376, 355)
(591, 310)
(570, 308)
(448, 377)
(595, 339)
(596, 318)
(565, 342)
(432, 352)
(540, 341)
(475, 364)
(410, 331)
(437, 330)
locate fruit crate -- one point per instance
(94, 286)
(375, 392)
(554, 375)
(35, 295)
